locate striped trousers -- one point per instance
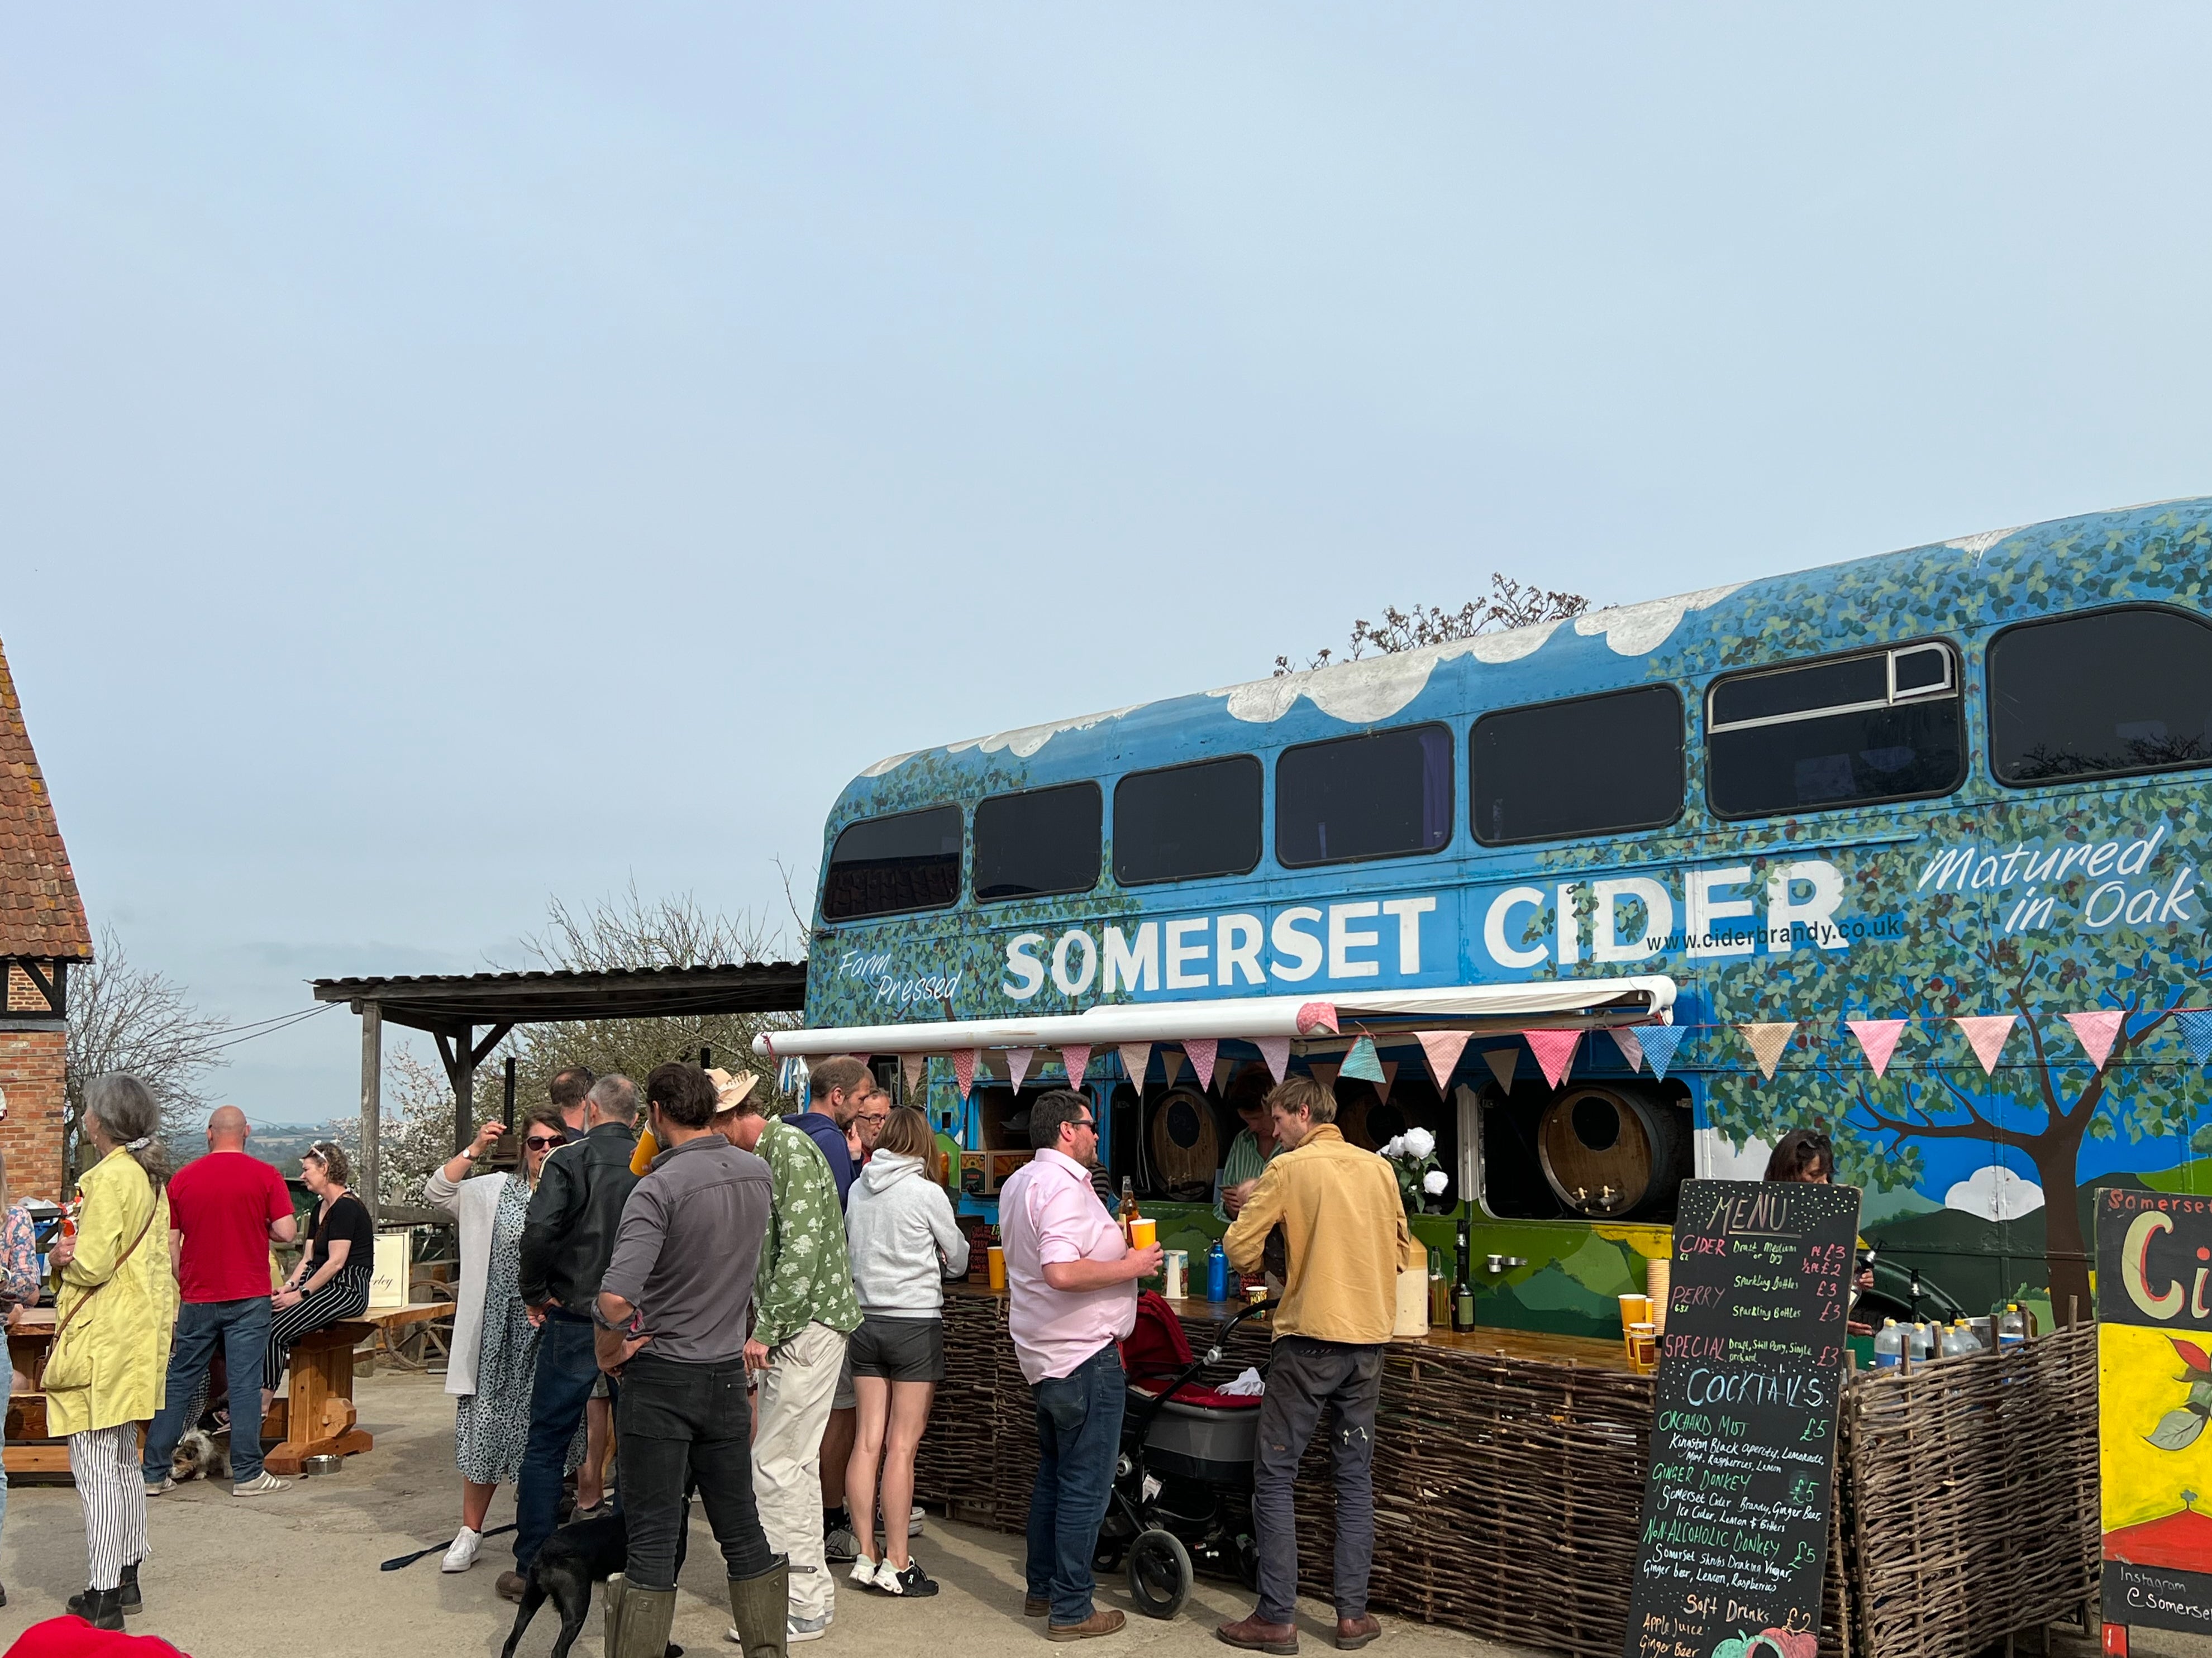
(346, 1296)
(104, 1462)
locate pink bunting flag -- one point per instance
(963, 1068)
(914, 1066)
(1985, 1035)
(1018, 1060)
(1316, 1018)
(1389, 1076)
(1202, 1051)
(1503, 1063)
(1555, 1051)
(1325, 1075)
(1077, 1060)
(1443, 1048)
(1276, 1052)
(2097, 1032)
(1767, 1041)
(1171, 1064)
(1631, 1049)
(1877, 1040)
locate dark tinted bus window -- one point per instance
(882, 865)
(1886, 726)
(1595, 766)
(1045, 841)
(1386, 795)
(2100, 695)
(1188, 820)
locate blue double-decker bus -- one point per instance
(1960, 782)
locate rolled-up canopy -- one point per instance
(1540, 1003)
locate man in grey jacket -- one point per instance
(904, 1242)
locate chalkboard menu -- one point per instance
(1736, 1512)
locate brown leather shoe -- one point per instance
(1254, 1635)
(1036, 1606)
(1103, 1620)
(511, 1585)
(1353, 1633)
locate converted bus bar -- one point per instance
(1962, 780)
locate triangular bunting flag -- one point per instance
(1172, 1063)
(1136, 1060)
(963, 1068)
(1276, 1052)
(1443, 1049)
(1324, 1074)
(914, 1066)
(2097, 1032)
(1877, 1040)
(1767, 1041)
(1362, 1062)
(1555, 1051)
(1389, 1076)
(1503, 1063)
(1317, 1018)
(1077, 1060)
(1631, 1049)
(1202, 1050)
(1659, 1043)
(1018, 1060)
(2196, 1033)
(1985, 1035)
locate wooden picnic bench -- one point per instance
(316, 1420)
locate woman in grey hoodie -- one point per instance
(904, 1243)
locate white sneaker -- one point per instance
(260, 1485)
(462, 1554)
(869, 1574)
(914, 1521)
(805, 1629)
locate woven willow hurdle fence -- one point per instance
(1508, 1491)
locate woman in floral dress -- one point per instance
(494, 1351)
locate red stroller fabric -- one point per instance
(72, 1637)
(1157, 1351)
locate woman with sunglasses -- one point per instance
(493, 1351)
(331, 1282)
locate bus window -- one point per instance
(1525, 785)
(1041, 841)
(1182, 822)
(2100, 695)
(1385, 795)
(1843, 730)
(883, 865)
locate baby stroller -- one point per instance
(1182, 1491)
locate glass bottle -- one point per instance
(1128, 1211)
(1440, 1294)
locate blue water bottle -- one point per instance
(1217, 1273)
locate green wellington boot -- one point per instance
(641, 1626)
(758, 1605)
(613, 1608)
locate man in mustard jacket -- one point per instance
(1344, 1228)
(115, 1315)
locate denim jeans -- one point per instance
(1304, 1378)
(242, 1326)
(1079, 1420)
(568, 1367)
(679, 1425)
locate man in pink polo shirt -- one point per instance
(1074, 1287)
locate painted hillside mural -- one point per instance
(2071, 885)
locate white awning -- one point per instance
(1554, 1003)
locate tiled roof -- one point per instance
(40, 914)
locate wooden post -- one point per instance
(464, 1086)
(372, 1102)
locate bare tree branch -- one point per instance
(1511, 605)
(124, 1018)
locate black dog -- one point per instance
(574, 1558)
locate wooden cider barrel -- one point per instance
(1608, 1152)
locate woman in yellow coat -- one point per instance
(115, 1314)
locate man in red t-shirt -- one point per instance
(224, 1209)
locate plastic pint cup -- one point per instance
(1143, 1233)
(1635, 1309)
(997, 1267)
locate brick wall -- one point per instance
(31, 1137)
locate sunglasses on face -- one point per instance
(542, 1142)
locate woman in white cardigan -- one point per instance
(494, 1351)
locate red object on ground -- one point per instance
(1157, 1351)
(72, 1637)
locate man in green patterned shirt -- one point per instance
(1254, 1146)
(806, 1308)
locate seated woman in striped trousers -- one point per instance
(331, 1282)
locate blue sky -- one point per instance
(454, 455)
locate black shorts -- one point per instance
(898, 1349)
